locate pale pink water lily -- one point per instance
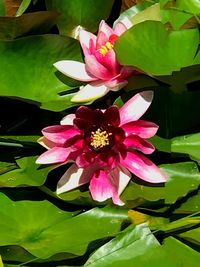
(106, 146)
(101, 69)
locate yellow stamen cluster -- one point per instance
(105, 48)
(100, 138)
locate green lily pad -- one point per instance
(27, 70)
(188, 144)
(55, 231)
(24, 173)
(181, 254)
(31, 23)
(87, 14)
(192, 236)
(190, 206)
(182, 179)
(155, 50)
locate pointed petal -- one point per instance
(112, 116)
(43, 141)
(116, 85)
(87, 40)
(135, 142)
(90, 92)
(59, 134)
(135, 107)
(109, 61)
(68, 119)
(120, 28)
(73, 178)
(54, 155)
(143, 168)
(107, 30)
(75, 70)
(101, 189)
(143, 129)
(121, 177)
(126, 22)
(96, 69)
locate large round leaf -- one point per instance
(87, 13)
(156, 51)
(44, 230)
(27, 70)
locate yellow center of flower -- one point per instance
(105, 48)
(100, 138)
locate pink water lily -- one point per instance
(106, 146)
(101, 69)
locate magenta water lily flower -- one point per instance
(101, 69)
(106, 146)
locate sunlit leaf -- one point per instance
(25, 173)
(155, 50)
(192, 236)
(132, 247)
(188, 144)
(55, 231)
(23, 6)
(181, 254)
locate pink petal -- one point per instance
(116, 85)
(86, 40)
(120, 28)
(135, 107)
(120, 177)
(107, 30)
(75, 70)
(101, 189)
(135, 142)
(143, 168)
(90, 92)
(96, 69)
(43, 141)
(144, 129)
(109, 61)
(102, 38)
(54, 155)
(73, 178)
(59, 134)
(68, 120)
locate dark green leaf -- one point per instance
(190, 206)
(34, 57)
(87, 14)
(30, 23)
(2, 8)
